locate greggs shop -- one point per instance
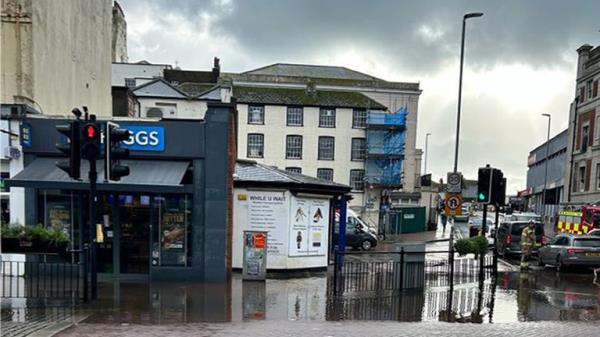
(166, 220)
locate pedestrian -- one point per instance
(527, 242)
(444, 221)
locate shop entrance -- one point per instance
(135, 219)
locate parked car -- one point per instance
(508, 237)
(464, 217)
(522, 216)
(568, 250)
(475, 227)
(358, 234)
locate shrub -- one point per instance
(475, 245)
(37, 233)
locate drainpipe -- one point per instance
(572, 150)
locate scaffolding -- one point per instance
(386, 137)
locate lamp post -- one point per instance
(546, 169)
(462, 58)
(426, 146)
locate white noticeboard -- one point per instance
(309, 235)
(268, 211)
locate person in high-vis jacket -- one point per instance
(527, 243)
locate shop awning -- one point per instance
(157, 176)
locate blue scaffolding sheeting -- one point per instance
(384, 171)
(397, 118)
(383, 142)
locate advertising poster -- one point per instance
(309, 227)
(59, 217)
(318, 229)
(268, 211)
(173, 230)
(299, 221)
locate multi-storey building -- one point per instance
(582, 179)
(333, 123)
(55, 55)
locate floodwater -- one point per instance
(541, 295)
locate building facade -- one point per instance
(582, 178)
(552, 154)
(330, 122)
(54, 56)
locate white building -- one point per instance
(313, 120)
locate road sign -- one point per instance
(453, 204)
(454, 182)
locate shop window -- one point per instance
(326, 148)
(256, 114)
(295, 116)
(174, 231)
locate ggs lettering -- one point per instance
(143, 138)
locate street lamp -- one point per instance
(426, 143)
(462, 57)
(546, 168)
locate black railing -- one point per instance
(41, 280)
(385, 271)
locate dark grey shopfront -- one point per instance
(167, 219)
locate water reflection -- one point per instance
(534, 296)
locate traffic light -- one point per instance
(498, 187)
(71, 149)
(114, 152)
(484, 185)
(90, 141)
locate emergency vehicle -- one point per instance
(579, 220)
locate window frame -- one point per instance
(287, 115)
(597, 176)
(293, 169)
(250, 107)
(354, 151)
(319, 153)
(584, 143)
(325, 169)
(352, 185)
(130, 79)
(322, 117)
(355, 119)
(588, 86)
(287, 146)
(262, 154)
(581, 181)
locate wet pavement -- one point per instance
(524, 304)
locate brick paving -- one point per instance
(335, 329)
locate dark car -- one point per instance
(508, 237)
(571, 250)
(356, 236)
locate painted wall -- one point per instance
(141, 72)
(275, 131)
(188, 109)
(57, 42)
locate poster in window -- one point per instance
(268, 211)
(59, 216)
(173, 230)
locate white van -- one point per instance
(358, 233)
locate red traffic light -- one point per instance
(90, 131)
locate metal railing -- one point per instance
(41, 280)
(390, 271)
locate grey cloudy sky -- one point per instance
(520, 58)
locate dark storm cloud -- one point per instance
(535, 32)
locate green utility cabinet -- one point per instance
(407, 220)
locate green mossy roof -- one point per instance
(287, 96)
(194, 89)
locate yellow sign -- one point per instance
(453, 204)
(99, 234)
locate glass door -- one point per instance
(135, 217)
